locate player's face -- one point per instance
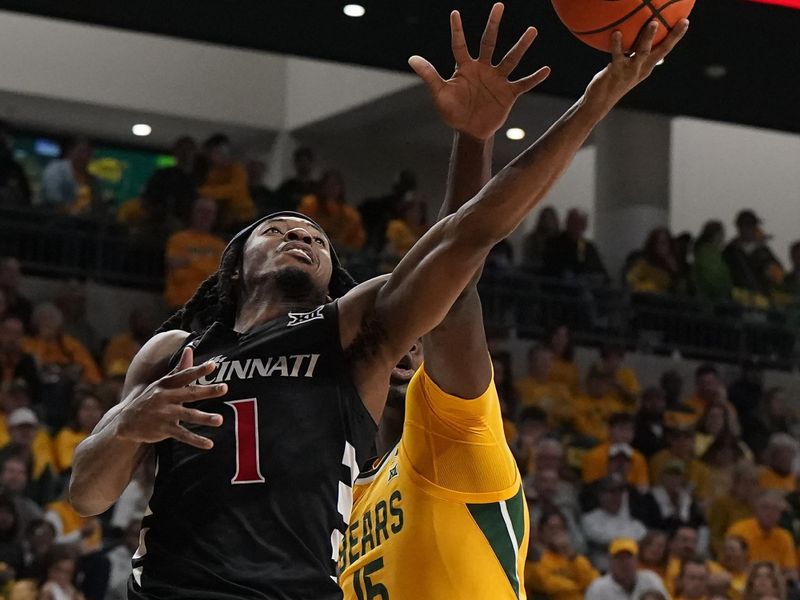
(288, 243)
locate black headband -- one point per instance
(244, 233)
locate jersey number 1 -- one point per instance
(248, 463)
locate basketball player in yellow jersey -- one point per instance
(442, 515)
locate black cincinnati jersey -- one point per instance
(260, 515)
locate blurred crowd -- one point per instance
(686, 490)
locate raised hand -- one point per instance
(626, 72)
(476, 100)
(157, 413)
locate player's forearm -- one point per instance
(467, 373)
(508, 198)
(103, 466)
(470, 169)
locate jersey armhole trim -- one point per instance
(449, 495)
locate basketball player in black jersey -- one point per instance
(259, 417)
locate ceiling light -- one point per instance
(142, 129)
(515, 133)
(716, 71)
(354, 10)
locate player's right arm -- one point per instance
(422, 289)
(151, 410)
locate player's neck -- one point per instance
(389, 430)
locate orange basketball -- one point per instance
(593, 21)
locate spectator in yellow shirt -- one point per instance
(656, 271)
(59, 354)
(559, 573)
(328, 207)
(734, 506)
(593, 409)
(192, 254)
(735, 560)
(563, 371)
(680, 446)
(403, 232)
(89, 411)
(225, 181)
(620, 434)
(779, 457)
(624, 382)
(121, 349)
(536, 389)
(765, 540)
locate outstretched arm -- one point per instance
(467, 372)
(429, 279)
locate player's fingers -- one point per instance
(645, 45)
(526, 84)
(517, 52)
(457, 40)
(489, 38)
(195, 393)
(192, 439)
(427, 73)
(665, 47)
(198, 417)
(617, 53)
(187, 376)
(185, 361)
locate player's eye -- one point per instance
(320, 241)
(273, 230)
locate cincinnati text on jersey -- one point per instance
(296, 365)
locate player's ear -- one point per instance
(235, 276)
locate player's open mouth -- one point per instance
(303, 255)
(402, 375)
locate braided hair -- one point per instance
(215, 299)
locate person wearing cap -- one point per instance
(15, 363)
(23, 427)
(192, 254)
(560, 572)
(754, 267)
(767, 541)
(625, 581)
(611, 519)
(18, 396)
(620, 437)
(681, 447)
(669, 505)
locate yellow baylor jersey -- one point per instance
(443, 515)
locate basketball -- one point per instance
(593, 21)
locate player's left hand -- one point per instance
(625, 72)
(477, 99)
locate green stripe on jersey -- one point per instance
(502, 524)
